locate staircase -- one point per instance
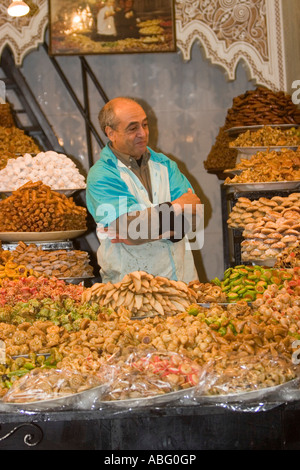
(30, 112)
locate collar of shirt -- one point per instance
(141, 171)
(130, 161)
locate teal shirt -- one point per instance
(106, 187)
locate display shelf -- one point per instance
(274, 427)
(232, 238)
(67, 245)
(47, 246)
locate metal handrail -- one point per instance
(84, 110)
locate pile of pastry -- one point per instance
(247, 211)
(265, 238)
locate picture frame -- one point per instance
(83, 27)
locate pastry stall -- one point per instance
(151, 363)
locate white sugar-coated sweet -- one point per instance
(54, 169)
(27, 158)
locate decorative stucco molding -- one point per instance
(23, 34)
(229, 31)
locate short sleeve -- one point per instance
(107, 195)
(179, 184)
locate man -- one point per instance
(106, 28)
(126, 21)
(138, 199)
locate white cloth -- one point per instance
(106, 26)
(160, 257)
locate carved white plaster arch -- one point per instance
(265, 59)
(214, 23)
(23, 34)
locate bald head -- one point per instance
(125, 123)
(108, 115)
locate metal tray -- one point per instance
(49, 246)
(233, 171)
(40, 236)
(153, 400)
(82, 400)
(267, 186)
(240, 129)
(251, 395)
(254, 150)
(67, 192)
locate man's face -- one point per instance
(132, 133)
(128, 4)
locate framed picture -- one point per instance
(80, 27)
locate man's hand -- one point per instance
(117, 239)
(188, 199)
(188, 206)
(114, 237)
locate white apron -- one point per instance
(160, 257)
